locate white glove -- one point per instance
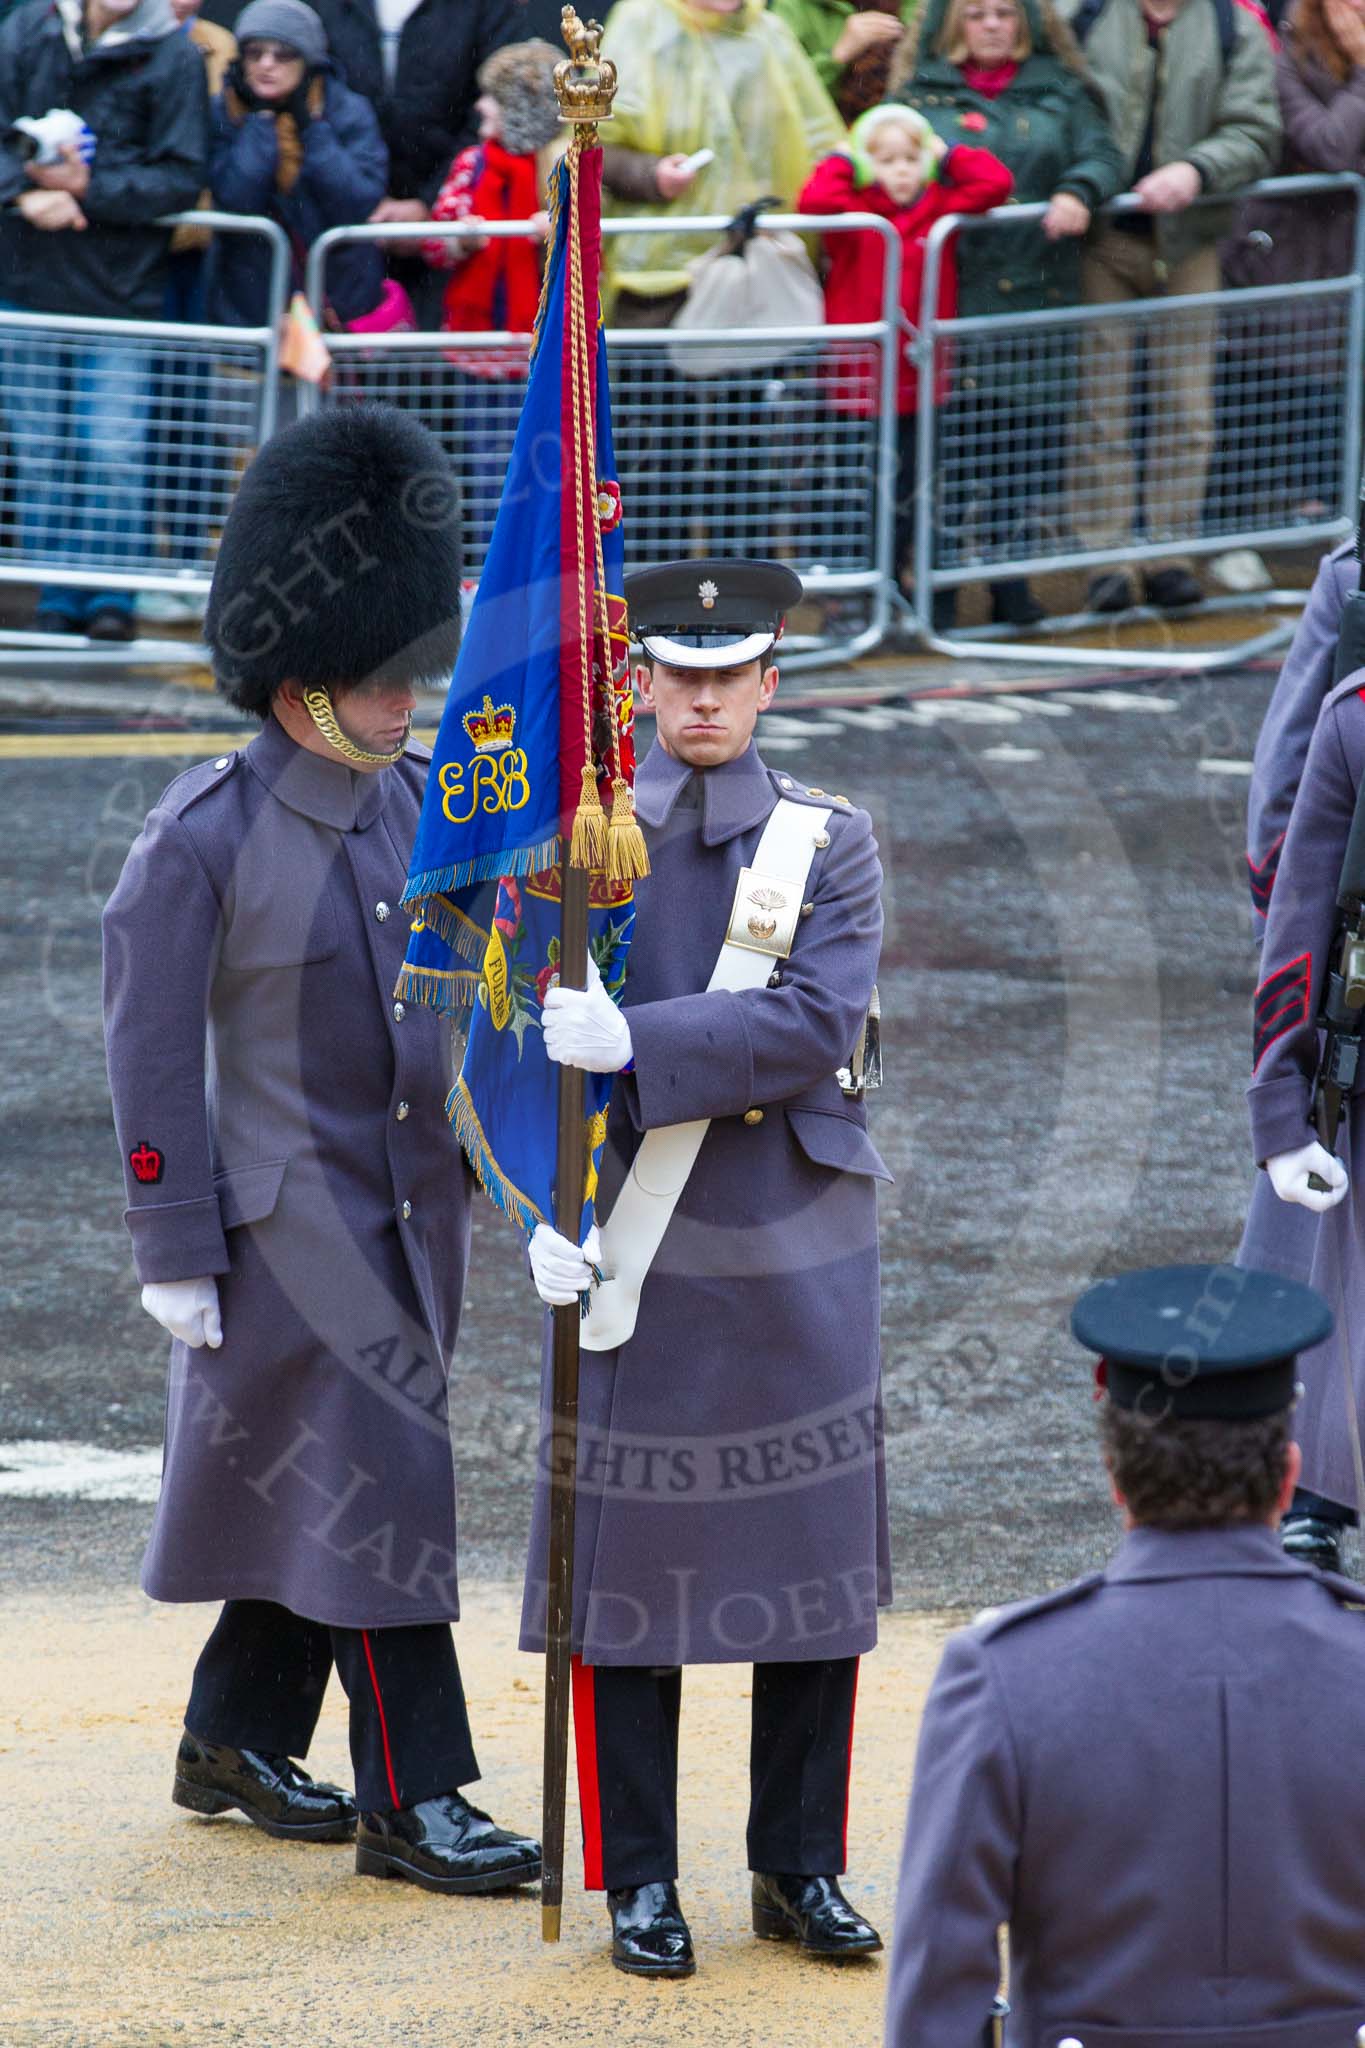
(1289, 1173)
(560, 1270)
(188, 1309)
(584, 1028)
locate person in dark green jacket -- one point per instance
(1008, 76)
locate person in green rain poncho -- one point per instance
(723, 75)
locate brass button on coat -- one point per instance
(381, 911)
(401, 1111)
(399, 1013)
(753, 1116)
(407, 1211)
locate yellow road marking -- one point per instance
(79, 746)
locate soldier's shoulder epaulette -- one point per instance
(1347, 692)
(420, 752)
(993, 1621)
(197, 782)
(799, 793)
(1348, 1591)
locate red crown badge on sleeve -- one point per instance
(146, 1162)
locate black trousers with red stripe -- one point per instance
(800, 1752)
(262, 1673)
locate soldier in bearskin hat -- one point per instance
(298, 1204)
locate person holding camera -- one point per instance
(78, 235)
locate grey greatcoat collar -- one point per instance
(327, 791)
(735, 797)
(1241, 1549)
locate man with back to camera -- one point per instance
(299, 1210)
(731, 1501)
(1119, 1769)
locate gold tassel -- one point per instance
(588, 845)
(627, 857)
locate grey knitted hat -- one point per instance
(521, 78)
(284, 21)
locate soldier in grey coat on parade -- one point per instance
(731, 1498)
(1150, 1775)
(1282, 1236)
(299, 1211)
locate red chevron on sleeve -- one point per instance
(1262, 875)
(1281, 1004)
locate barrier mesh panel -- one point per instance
(120, 452)
(1126, 431)
(764, 458)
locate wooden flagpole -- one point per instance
(584, 85)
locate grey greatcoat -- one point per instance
(1330, 1252)
(1282, 743)
(1279, 1236)
(731, 1499)
(1146, 1775)
(280, 1121)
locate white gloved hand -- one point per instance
(584, 1028)
(188, 1309)
(560, 1270)
(1289, 1173)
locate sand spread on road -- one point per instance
(128, 1923)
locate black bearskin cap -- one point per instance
(340, 560)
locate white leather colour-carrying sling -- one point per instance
(763, 926)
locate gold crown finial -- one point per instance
(585, 83)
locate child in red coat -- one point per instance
(893, 164)
(494, 286)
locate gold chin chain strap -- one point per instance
(318, 705)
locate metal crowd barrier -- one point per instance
(121, 444)
(125, 439)
(757, 441)
(1061, 443)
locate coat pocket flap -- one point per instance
(833, 1140)
(247, 1194)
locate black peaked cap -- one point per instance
(1201, 1341)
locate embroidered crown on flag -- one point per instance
(534, 760)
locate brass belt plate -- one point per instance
(765, 914)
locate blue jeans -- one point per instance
(77, 421)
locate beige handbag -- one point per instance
(748, 280)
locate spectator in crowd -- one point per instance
(722, 75)
(852, 46)
(895, 165)
(417, 62)
(494, 282)
(1190, 90)
(215, 44)
(78, 237)
(290, 141)
(1320, 74)
(1008, 73)
(182, 427)
(728, 77)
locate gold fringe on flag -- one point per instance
(627, 859)
(589, 842)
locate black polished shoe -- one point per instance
(445, 1845)
(1014, 604)
(649, 1937)
(274, 1794)
(1111, 591)
(1172, 589)
(1309, 1540)
(814, 1912)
